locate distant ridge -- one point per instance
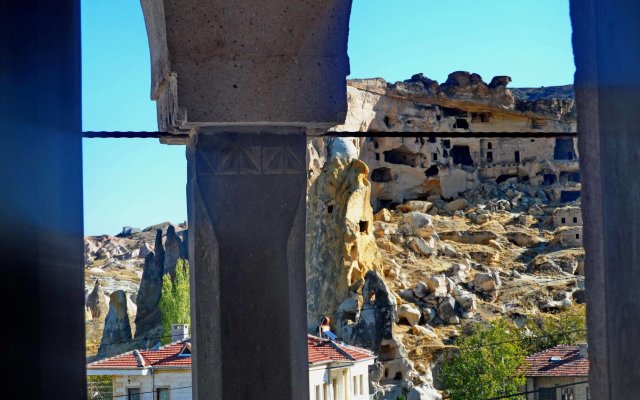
(544, 92)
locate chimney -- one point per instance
(583, 348)
(179, 332)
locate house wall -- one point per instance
(570, 236)
(580, 391)
(572, 216)
(338, 383)
(172, 379)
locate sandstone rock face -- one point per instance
(116, 337)
(148, 318)
(341, 245)
(97, 302)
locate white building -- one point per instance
(336, 372)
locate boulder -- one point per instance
(383, 215)
(415, 205)
(458, 272)
(467, 300)
(420, 246)
(447, 311)
(410, 314)
(468, 237)
(482, 219)
(487, 284)
(438, 286)
(423, 331)
(421, 224)
(455, 205)
(421, 290)
(523, 239)
(382, 229)
(428, 315)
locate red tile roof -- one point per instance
(320, 351)
(570, 363)
(165, 356)
(325, 351)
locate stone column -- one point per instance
(606, 38)
(246, 200)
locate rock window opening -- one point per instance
(402, 156)
(364, 226)
(445, 153)
(574, 177)
(398, 376)
(432, 171)
(446, 143)
(577, 236)
(386, 372)
(330, 209)
(435, 157)
(378, 156)
(490, 156)
(489, 145)
(461, 123)
(549, 179)
(376, 145)
(563, 220)
(461, 155)
(381, 175)
(575, 220)
(564, 149)
(516, 156)
(567, 196)
(432, 139)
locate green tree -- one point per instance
(550, 330)
(174, 299)
(475, 371)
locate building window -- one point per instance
(489, 146)
(588, 393)
(575, 220)
(577, 236)
(563, 220)
(355, 385)
(325, 391)
(361, 379)
(490, 156)
(547, 394)
(162, 394)
(133, 394)
(435, 157)
(318, 393)
(568, 394)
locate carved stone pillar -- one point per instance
(246, 200)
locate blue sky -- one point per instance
(139, 182)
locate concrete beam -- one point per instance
(41, 244)
(246, 201)
(606, 38)
(237, 62)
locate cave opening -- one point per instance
(382, 174)
(461, 155)
(364, 226)
(432, 171)
(549, 179)
(402, 156)
(564, 149)
(461, 123)
(386, 121)
(567, 196)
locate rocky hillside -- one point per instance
(437, 267)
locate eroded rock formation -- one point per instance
(341, 247)
(148, 318)
(116, 336)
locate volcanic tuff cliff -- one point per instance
(410, 239)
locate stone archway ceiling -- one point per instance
(223, 62)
